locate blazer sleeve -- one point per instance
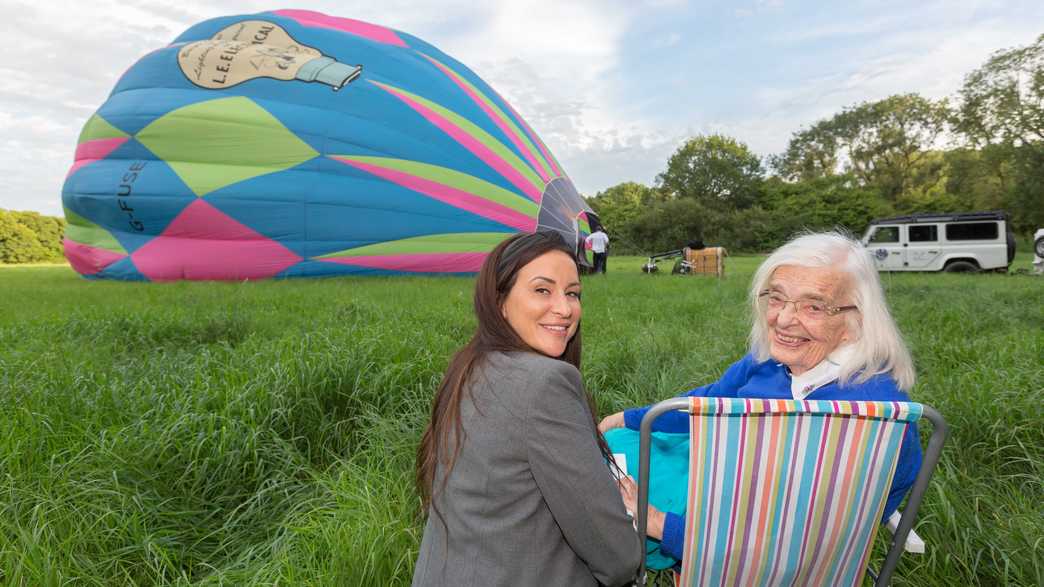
(574, 479)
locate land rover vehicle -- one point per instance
(976, 241)
(1038, 251)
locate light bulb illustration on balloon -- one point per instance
(257, 49)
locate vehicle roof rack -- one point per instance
(945, 217)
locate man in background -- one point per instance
(598, 242)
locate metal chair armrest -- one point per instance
(905, 526)
(645, 438)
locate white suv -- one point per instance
(977, 241)
(1038, 251)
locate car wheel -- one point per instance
(961, 267)
(1039, 247)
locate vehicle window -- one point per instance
(972, 231)
(923, 233)
(885, 234)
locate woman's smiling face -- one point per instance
(543, 306)
(796, 341)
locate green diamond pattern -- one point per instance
(99, 128)
(217, 143)
(86, 232)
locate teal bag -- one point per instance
(668, 478)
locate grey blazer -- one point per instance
(530, 500)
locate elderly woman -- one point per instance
(821, 331)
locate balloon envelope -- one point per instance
(292, 144)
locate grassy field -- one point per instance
(263, 433)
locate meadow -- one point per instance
(264, 433)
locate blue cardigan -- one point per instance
(771, 380)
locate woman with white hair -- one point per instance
(821, 331)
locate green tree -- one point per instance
(48, 230)
(620, 204)
(671, 225)
(18, 244)
(880, 143)
(1003, 101)
(1026, 199)
(1001, 117)
(822, 203)
(888, 139)
(756, 229)
(927, 189)
(811, 153)
(980, 178)
(717, 171)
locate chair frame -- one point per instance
(909, 514)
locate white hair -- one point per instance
(877, 345)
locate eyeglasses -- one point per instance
(811, 309)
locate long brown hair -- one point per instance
(495, 280)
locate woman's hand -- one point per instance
(612, 421)
(629, 493)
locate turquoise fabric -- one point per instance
(668, 478)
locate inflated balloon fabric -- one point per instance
(292, 144)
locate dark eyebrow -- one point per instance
(549, 280)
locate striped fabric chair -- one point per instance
(785, 492)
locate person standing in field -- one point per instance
(598, 242)
(512, 471)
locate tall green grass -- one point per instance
(263, 433)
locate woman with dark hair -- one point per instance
(512, 470)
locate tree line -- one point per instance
(982, 149)
(30, 237)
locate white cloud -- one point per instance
(932, 63)
(550, 59)
(556, 63)
(563, 65)
(835, 30)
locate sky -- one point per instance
(612, 86)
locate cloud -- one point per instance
(831, 30)
(932, 63)
(552, 60)
(60, 64)
(557, 63)
(607, 115)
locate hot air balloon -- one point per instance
(295, 144)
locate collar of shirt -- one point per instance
(826, 371)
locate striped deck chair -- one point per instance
(785, 492)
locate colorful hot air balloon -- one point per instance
(291, 144)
